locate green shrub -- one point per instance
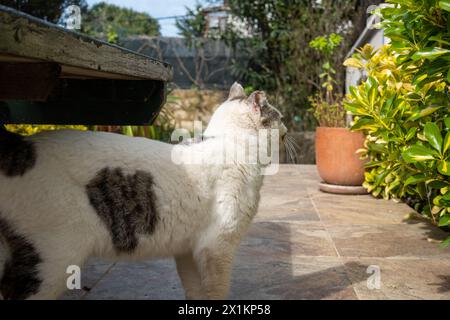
(404, 107)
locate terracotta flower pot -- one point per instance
(336, 158)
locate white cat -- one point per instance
(68, 195)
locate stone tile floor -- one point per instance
(304, 244)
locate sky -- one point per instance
(157, 9)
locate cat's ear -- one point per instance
(256, 101)
(236, 92)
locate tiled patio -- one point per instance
(305, 244)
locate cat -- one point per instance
(68, 195)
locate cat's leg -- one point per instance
(190, 276)
(215, 271)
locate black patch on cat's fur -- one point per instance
(16, 154)
(125, 203)
(20, 275)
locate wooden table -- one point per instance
(51, 75)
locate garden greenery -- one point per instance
(404, 107)
(326, 103)
(273, 36)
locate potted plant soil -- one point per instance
(338, 163)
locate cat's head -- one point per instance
(241, 113)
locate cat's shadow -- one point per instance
(267, 268)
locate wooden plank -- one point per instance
(79, 73)
(28, 37)
(70, 71)
(27, 81)
(9, 58)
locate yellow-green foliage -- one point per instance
(408, 131)
(30, 129)
(404, 107)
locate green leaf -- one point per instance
(430, 53)
(444, 167)
(355, 108)
(415, 179)
(372, 82)
(447, 122)
(423, 113)
(420, 78)
(436, 184)
(438, 39)
(411, 133)
(445, 5)
(446, 143)
(433, 135)
(378, 147)
(444, 221)
(353, 62)
(446, 196)
(445, 243)
(373, 91)
(364, 124)
(417, 153)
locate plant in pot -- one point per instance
(338, 163)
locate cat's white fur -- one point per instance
(204, 210)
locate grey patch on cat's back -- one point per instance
(17, 155)
(20, 273)
(125, 203)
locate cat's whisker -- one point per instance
(292, 155)
(291, 148)
(292, 140)
(288, 150)
(295, 146)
